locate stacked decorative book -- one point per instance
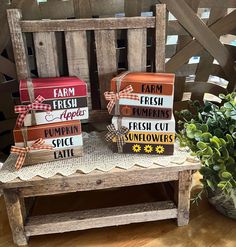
(142, 105)
(48, 126)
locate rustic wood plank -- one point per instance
(96, 182)
(182, 41)
(185, 181)
(221, 27)
(137, 49)
(160, 36)
(105, 41)
(46, 54)
(82, 9)
(113, 216)
(132, 7)
(99, 180)
(206, 60)
(98, 24)
(77, 58)
(203, 71)
(64, 9)
(200, 88)
(217, 4)
(87, 24)
(16, 214)
(18, 43)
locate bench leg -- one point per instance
(16, 216)
(184, 187)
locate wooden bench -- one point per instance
(24, 225)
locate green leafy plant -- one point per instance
(210, 133)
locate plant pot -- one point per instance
(225, 204)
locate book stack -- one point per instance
(144, 106)
(48, 126)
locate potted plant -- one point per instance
(210, 133)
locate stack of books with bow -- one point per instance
(49, 122)
(142, 105)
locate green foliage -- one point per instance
(210, 133)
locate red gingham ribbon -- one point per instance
(37, 145)
(123, 94)
(35, 105)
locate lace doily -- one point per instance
(97, 155)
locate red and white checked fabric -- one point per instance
(22, 152)
(123, 94)
(35, 105)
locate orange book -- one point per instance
(153, 95)
(145, 83)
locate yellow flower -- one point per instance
(136, 148)
(160, 149)
(148, 148)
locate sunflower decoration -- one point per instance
(160, 149)
(148, 148)
(136, 148)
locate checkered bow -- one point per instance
(22, 152)
(123, 94)
(119, 135)
(35, 105)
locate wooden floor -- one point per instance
(207, 228)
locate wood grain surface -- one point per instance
(207, 228)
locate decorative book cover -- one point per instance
(142, 95)
(67, 97)
(147, 136)
(64, 138)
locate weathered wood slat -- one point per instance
(182, 41)
(160, 36)
(16, 213)
(88, 24)
(219, 28)
(18, 43)
(105, 41)
(137, 49)
(46, 54)
(99, 180)
(77, 57)
(205, 37)
(81, 220)
(206, 60)
(82, 9)
(190, 69)
(217, 4)
(202, 87)
(174, 28)
(185, 179)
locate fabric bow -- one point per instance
(119, 135)
(35, 105)
(123, 94)
(22, 152)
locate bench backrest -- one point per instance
(78, 47)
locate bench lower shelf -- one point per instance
(176, 205)
(95, 218)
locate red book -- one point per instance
(53, 88)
